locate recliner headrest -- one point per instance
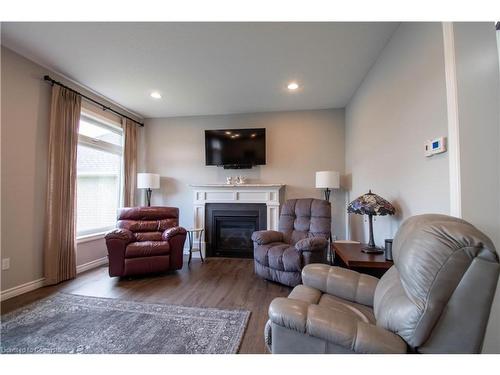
(425, 243)
(148, 213)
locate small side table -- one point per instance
(349, 255)
(191, 234)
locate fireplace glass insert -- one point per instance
(230, 228)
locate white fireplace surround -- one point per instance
(270, 194)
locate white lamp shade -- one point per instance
(327, 180)
(148, 181)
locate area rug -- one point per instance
(67, 323)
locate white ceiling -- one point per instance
(207, 68)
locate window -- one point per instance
(99, 175)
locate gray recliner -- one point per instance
(304, 229)
(435, 299)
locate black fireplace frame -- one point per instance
(258, 211)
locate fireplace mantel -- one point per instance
(271, 195)
(229, 186)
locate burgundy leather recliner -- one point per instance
(147, 240)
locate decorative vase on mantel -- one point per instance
(240, 180)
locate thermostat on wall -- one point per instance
(435, 146)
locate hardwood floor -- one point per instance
(219, 282)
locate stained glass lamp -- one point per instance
(372, 205)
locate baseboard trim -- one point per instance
(21, 289)
(36, 284)
(93, 264)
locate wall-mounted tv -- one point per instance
(235, 148)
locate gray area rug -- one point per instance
(66, 323)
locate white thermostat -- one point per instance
(435, 146)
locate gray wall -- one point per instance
(298, 144)
(478, 106)
(25, 103)
(25, 114)
(478, 82)
(400, 104)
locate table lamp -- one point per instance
(372, 205)
(148, 181)
(327, 180)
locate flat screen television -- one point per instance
(235, 148)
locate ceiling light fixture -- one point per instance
(156, 95)
(292, 86)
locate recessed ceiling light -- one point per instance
(228, 133)
(293, 86)
(156, 95)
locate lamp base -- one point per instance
(327, 194)
(372, 250)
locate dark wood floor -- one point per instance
(219, 282)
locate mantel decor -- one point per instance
(371, 204)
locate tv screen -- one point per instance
(235, 148)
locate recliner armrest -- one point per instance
(334, 326)
(312, 244)
(341, 282)
(120, 234)
(263, 237)
(117, 241)
(171, 232)
(289, 313)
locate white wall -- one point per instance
(400, 104)
(478, 91)
(298, 144)
(25, 103)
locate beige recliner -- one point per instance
(435, 299)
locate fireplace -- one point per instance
(229, 228)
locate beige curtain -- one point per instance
(60, 240)
(129, 162)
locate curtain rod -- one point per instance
(104, 107)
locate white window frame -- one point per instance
(97, 144)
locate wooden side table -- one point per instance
(191, 234)
(349, 255)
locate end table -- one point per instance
(191, 234)
(349, 255)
